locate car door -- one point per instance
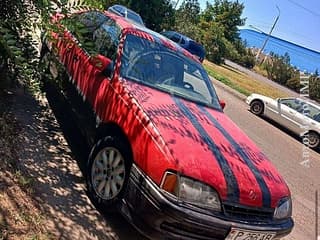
(97, 47)
(78, 58)
(272, 109)
(106, 41)
(307, 117)
(289, 115)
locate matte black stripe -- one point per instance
(233, 193)
(266, 196)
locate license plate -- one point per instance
(240, 234)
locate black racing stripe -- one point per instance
(233, 194)
(266, 196)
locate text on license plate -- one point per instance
(239, 234)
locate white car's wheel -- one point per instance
(256, 107)
(314, 140)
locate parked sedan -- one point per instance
(187, 43)
(300, 116)
(164, 153)
(126, 13)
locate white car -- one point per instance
(300, 116)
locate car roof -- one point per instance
(191, 45)
(147, 33)
(180, 34)
(118, 7)
(124, 11)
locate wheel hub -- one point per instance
(108, 173)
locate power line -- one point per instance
(303, 7)
(301, 36)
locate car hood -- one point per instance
(262, 97)
(206, 145)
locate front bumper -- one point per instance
(249, 99)
(156, 216)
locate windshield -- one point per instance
(155, 65)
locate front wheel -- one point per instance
(107, 173)
(257, 108)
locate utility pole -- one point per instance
(177, 2)
(268, 37)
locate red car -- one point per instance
(165, 155)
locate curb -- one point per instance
(228, 89)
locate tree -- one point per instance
(279, 69)
(15, 42)
(314, 84)
(156, 14)
(227, 14)
(213, 39)
(19, 20)
(189, 12)
(187, 19)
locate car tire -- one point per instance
(107, 174)
(257, 107)
(314, 140)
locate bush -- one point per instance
(314, 87)
(294, 84)
(212, 38)
(238, 53)
(278, 68)
(17, 53)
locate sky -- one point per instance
(299, 21)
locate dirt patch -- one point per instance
(42, 190)
(20, 217)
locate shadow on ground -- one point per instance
(52, 158)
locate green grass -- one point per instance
(241, 82)
(226, 81)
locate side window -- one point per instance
(106, 39)
(167, 34)
(175, 38)
(288, 102)
(83, 25)
(120, 10)
(294, 104)
(92, 20)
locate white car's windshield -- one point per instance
(158, 66)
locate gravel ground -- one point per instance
(56, 198)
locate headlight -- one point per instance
(188, 190)
(284, 209)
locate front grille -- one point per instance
(247, 213)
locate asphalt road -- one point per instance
(285, 152)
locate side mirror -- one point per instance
(103, 64)
(279, 102)
(222, 104)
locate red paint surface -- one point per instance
(161, 137)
